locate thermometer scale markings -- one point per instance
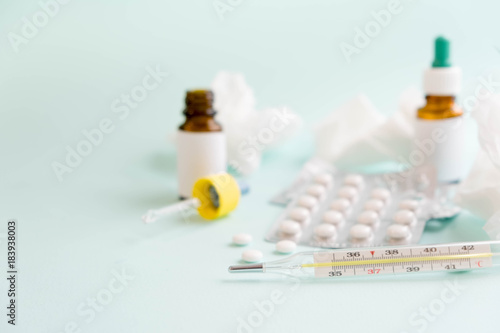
(402, 261)
(423, 259)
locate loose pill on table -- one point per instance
(325, 230)
(398, 231)
(341, 205)
(408, 204)
(285, 246)
(375, 205)
(324, 179)
(299, 214)
(251, 255)
(289, 227)
(348, 192)
(405, 217)
(360, 232)
(354, 180)
(316, 190)
(381, 194)
(242, 239)
(307, 201)
(369, 218)
(333, 217)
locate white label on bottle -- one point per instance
(441, 144)
(199, 154)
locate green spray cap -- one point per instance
(441, 52)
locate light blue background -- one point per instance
(75, 234)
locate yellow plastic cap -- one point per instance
(227, 189)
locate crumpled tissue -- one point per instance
(480, 191)
(358, 134)
(249, 132)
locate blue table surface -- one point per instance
(87, 263)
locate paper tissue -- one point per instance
(249, 132)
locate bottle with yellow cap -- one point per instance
(201, 143)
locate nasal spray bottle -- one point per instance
(440, 131)
(201, 143)
(439, 125)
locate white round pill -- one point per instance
(242, 239)
(251, 255)
(285, 246)
(289, 227)
(324, 179)
(360, 232)
(398, 231)
(299, 214)
(381, 194)
(409, 204)
(333, 217)
(405, 217)
(325, 230)
(369, 218)
(307, 201)
(354, 180)
(316, 190)
(375, 205)
(341, 205)
(348, 192)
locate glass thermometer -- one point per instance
(382, 260)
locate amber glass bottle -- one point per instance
(199, 112)
(201, 143)
(439, 107)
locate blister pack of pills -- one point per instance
(311, 168)
(332, 209)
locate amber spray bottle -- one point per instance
(201, 143)
(440, 133)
